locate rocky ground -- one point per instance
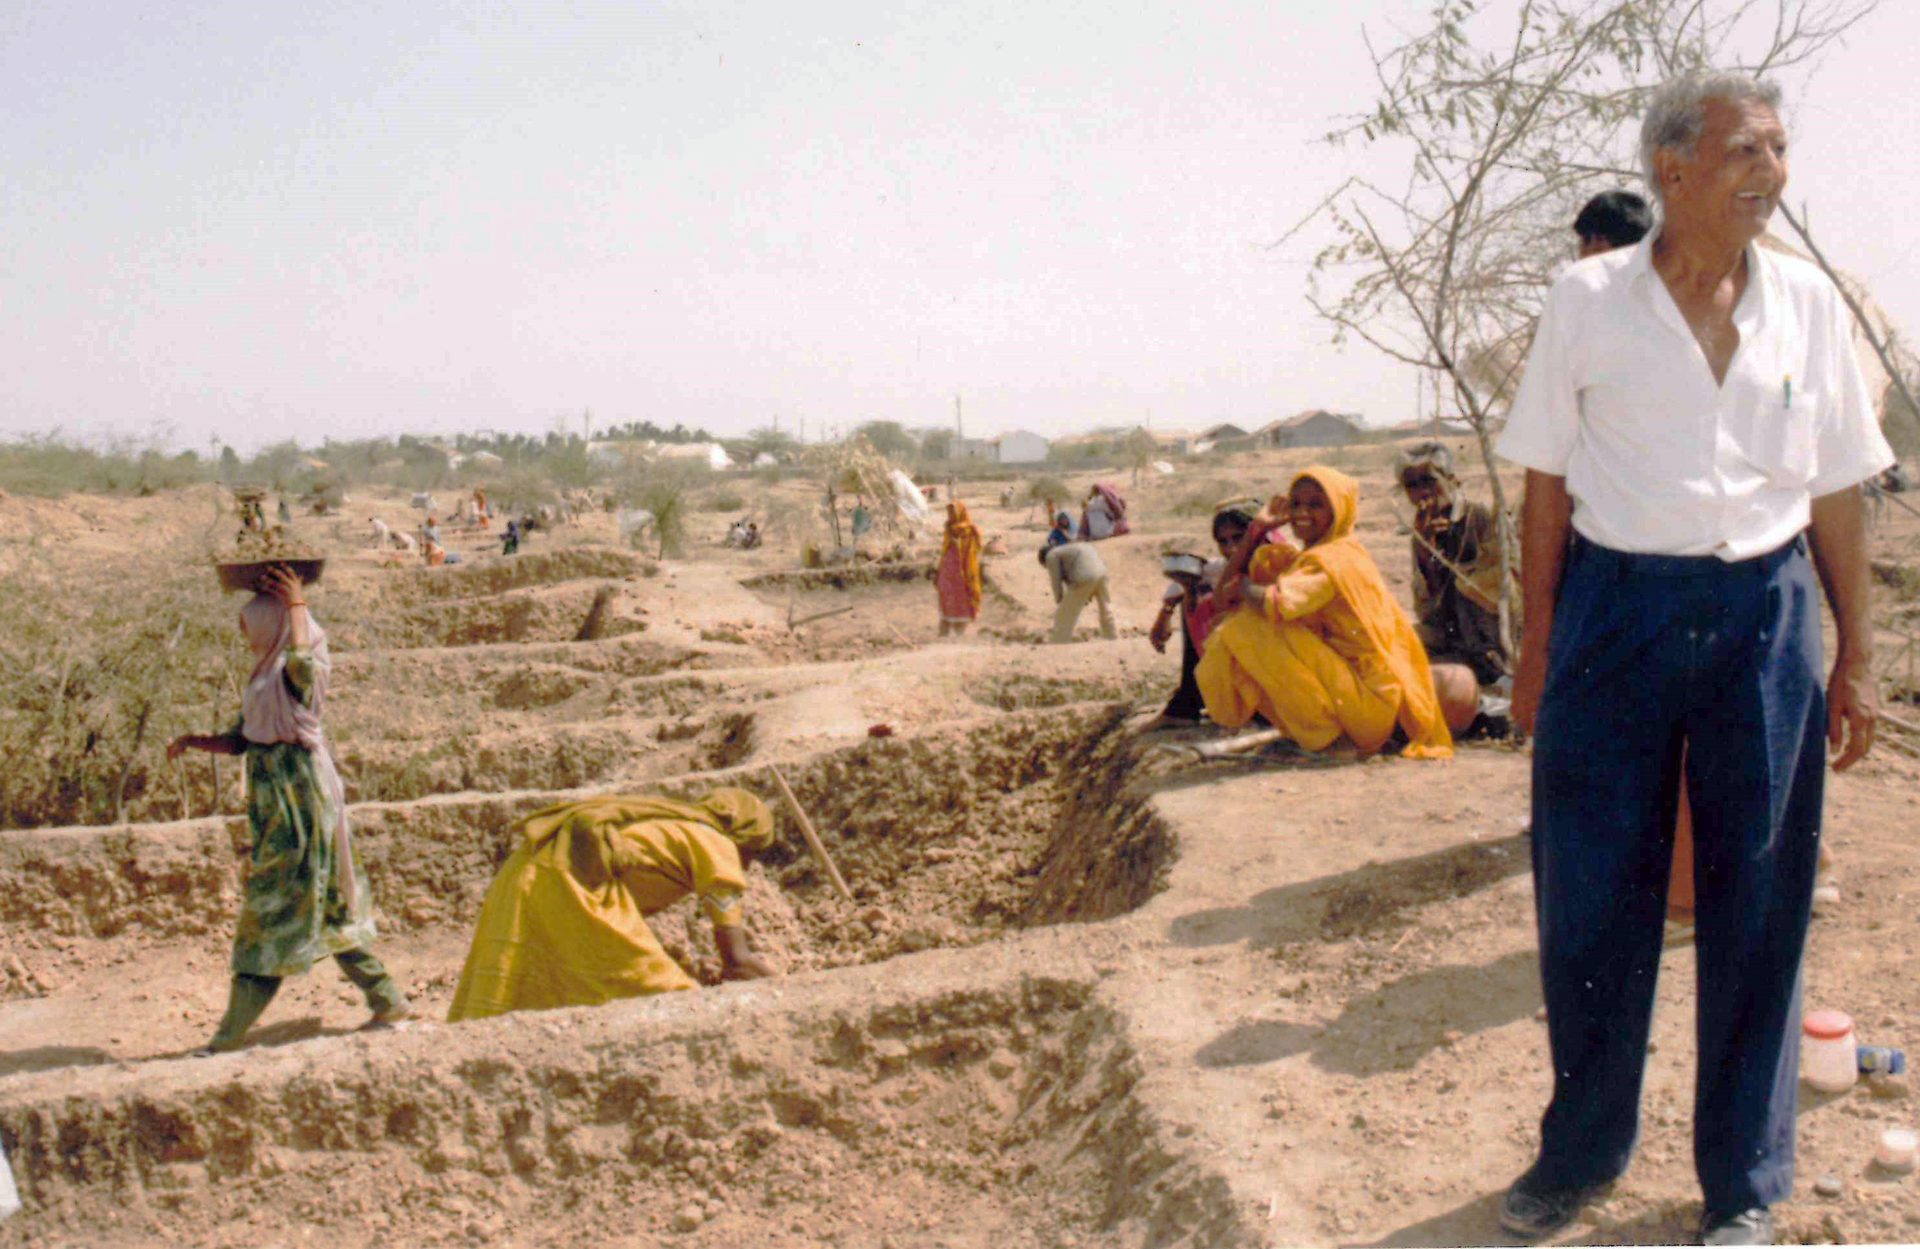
(1088, 991)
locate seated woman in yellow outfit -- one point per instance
(564, 922)
(1319, 648)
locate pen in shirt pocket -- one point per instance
(1786, 390)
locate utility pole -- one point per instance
(959, 431)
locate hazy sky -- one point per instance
(255, 221)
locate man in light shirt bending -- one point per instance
(1693, 426)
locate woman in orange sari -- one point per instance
(958, 579)
(1320, 647)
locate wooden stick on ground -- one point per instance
(813, 838)
(821, 615)
(1231, 746)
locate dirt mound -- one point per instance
(1004, 1106)
(846, 577)
(413, 586)
(1016, 691)
(544, 614)
(550, 757)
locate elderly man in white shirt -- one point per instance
(1691, 420)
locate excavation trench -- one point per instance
(537, 614)
(855, 611)
(475, 671)
(950, 838)
(414, 586)
(1001, 1109)
(568, 754)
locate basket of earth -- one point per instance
(245, 567)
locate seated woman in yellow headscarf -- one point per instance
(1320, 648)
(564, 922)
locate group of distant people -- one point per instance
(431, 547)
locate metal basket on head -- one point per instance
(1184, 568)
(251, 574)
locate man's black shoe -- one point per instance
(1749, 1227)
(1531, 1210)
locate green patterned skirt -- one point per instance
(293, 915)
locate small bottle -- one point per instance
(1884, 1059)
(1827, 1058)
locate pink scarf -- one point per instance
(270, 713)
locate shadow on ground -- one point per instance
(1369, 901)
(1422, 1007)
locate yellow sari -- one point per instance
(564, 922)
(1329, 651)
(957, 582)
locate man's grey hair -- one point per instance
(1678, 112)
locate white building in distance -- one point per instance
(1020, 447)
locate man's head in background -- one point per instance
(1612, 219)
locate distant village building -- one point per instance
(1175, 441)
(612, 453)
(1015, 447)
(1020, 447)
(712, 454)
(1222, 435)
(1316, 428)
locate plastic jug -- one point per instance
(1827, 1058)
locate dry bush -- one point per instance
(724, 499)
(1048, 490)
(97, 674)
(44, 465)
(1200, 497)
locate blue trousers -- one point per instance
(1648, 653)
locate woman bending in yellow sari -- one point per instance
(564, 922)
(1320, 647)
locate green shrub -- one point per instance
(46, 466)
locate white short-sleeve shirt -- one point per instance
(1618, 399)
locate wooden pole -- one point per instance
(821, 615)
(1201, 751)
(813, 838)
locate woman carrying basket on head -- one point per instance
(306, 897)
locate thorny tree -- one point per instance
(1447, 269)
